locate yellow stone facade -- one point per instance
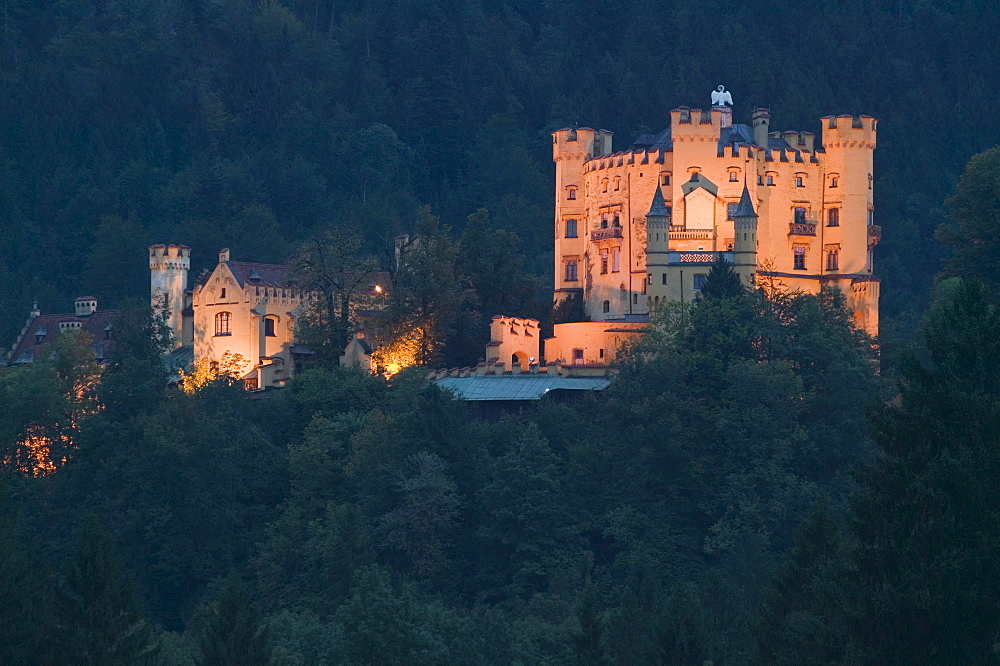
(812, 197)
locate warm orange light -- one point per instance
(378, 289)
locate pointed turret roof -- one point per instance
(745, 207)
(659, 206)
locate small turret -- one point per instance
(85, 306)
(761, 119)
(745, 245)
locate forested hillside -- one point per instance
(257, 124)
(751, 488)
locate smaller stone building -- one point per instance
(40, 330)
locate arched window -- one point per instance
(571, 195)
(832, 260)
(223, 323)
(269, 326)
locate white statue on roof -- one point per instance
(721, 97)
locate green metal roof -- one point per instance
(519, 387)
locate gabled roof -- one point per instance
(265, 275)
(43, 329)
(702, 182)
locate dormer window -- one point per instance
(254, 275)
(107, 331)
(40, 335)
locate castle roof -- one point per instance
(745, 207)
(43, 329)
(265, 275)
(659, 206)
(661, 141)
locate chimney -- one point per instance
(223, 255)
(85, 306)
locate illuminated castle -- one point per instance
(641, 226)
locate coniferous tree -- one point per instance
(722, 281)
(927, 521)
(803, 621)
(234, 632)
(98, 622)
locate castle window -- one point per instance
(222, 293)
(799, 259)
(665, 179)
(699, 281)
(616, 256)
(618, 184)
(604, 221)
(571, 229)
(770, 180)
(730, 210)
(664, 276)
(616, 222)
(834, 181)
(832, 260)
(604, 262)
(222, 323)
(800, 215)
(635, 299)
(871, 216)
(833, 217)
(869, 181)
(571, 195)
(269, 327)
(607, 306)
(760, 180)
(799, 182)
(571, 267)
(601, 353)
(733, 177)
(604, 184)
(578, 356)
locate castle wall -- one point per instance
(595, 343)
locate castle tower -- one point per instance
(657, 247)
(168, 273)
(745, 242)
(571, 148)
(849, 213)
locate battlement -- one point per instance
(849, 131)
(581, 143)
(165, 257)
(687, 122)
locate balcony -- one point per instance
(801, 229)
(874, 234)
(700, 234)
(606, 233)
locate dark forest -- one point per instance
(761, 483)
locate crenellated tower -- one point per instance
(168, 270)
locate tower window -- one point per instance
(616, 258)
(799, 259)
(269, 327)
(571, 195)
(699, 281)
(571, 229)
(834, 181)
(799, 182)
(733, 177)
(607, 306)
(665, 179)
(571, 268)
(833, 260)
(222, 323)
(770, 180)
(618, 184)
(833, 217)
(664, 277)
(604, 262)
(800, 215)
(605, 184)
